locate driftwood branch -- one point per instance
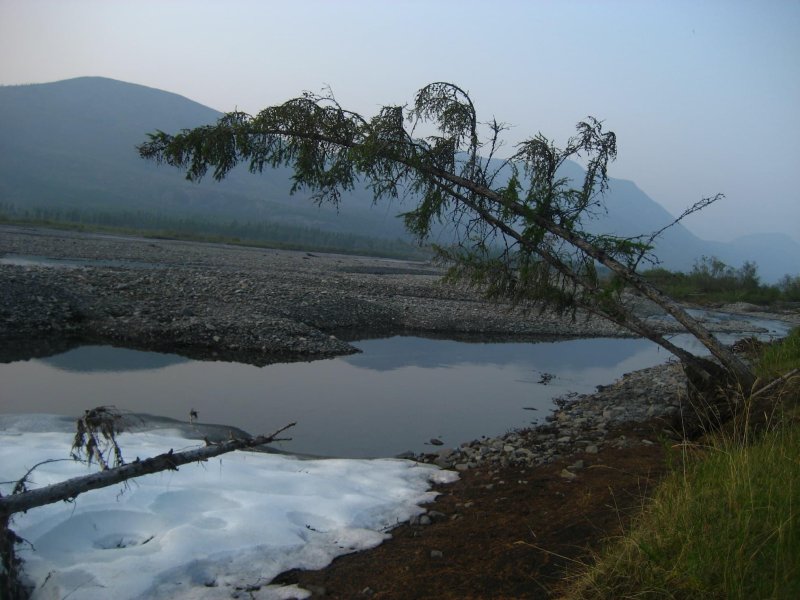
(168, 461)
(775, 382)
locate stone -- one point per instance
(592, 449)
(437, 554)
(316, 590)
(568, 475)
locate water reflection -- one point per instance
(396, 395)
(92, 359)
(400, 352)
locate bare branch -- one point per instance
(697, 206)
(168, 461)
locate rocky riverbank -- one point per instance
(527, 502)
(528, 506)
(253, 305)
(582, 423)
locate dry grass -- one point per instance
(726, 522)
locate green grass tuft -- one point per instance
(781, 358)
(725, 524)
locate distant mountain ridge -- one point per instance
(72, 143)
(631, 212)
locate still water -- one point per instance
(393, 397)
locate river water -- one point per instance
(393, 397)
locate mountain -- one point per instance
(630, 212)
(71, 144)
(776, 254)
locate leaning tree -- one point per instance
(519, 223)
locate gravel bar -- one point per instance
(245, 304)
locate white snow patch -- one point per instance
(208, 530)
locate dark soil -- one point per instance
(505, 533)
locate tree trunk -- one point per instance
(740, 373)
(700, 368)
(11, 587)
(169, 461)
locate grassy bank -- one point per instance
(712, 282)
(726, 522)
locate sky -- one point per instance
(703, 96)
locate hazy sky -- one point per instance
(703, 95)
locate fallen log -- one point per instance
(168, 461)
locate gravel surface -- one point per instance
(261, 306)
(581, 423)
(236, 303)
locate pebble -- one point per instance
(580, 423)
(316, 590)
(241, 304)
(259, 306)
